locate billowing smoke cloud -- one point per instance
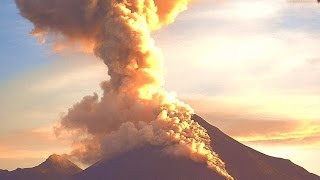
(134, 110)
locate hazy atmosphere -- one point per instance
(250, 67)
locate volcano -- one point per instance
(245, 163)
(150, 163)
(242, 162)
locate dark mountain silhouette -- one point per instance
(3, 174)
(245, 163)
(54, 168)
(242, 162)
(149, 163)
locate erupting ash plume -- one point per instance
(134, 110)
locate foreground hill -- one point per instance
(3, 174)
(54, 168)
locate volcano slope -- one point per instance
(245, 163)
(242, 162)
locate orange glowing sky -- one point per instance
(251, 68)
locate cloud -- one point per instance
(303, 134)
(245, 10)
(239, 57)
(254, 60)
(302, 79)
(134, 103)
(246, 124)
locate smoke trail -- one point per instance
(134, 109)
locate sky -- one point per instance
(249, 67)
